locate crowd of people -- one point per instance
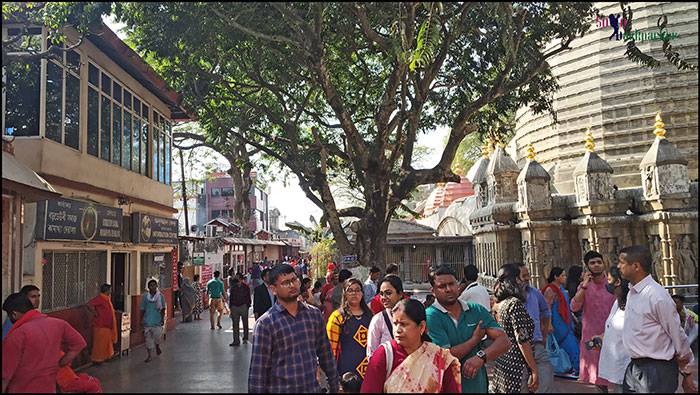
(37, 350)
(350, 335)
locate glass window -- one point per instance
(226, 191)
(136, 133)
(126, 141)
(216, 191)
(105, 127)
(167, 160)
(116, 135)
(93, 74)
(54, 101)
(22, 88)
(156, 150)
(106, 84)
(127, 99)
(73, 59)
(145, 147)
(93, 121)
(72, 114)
(137, 107)
(161, 176)
(117, 92)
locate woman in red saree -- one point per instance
(410, 363)
(104, 332)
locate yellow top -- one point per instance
(458, 170)
(590, 145)
(530, 152)
(659, 130)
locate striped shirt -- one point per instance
(287, 351)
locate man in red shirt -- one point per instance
(31, 351)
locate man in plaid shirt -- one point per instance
(290, 342)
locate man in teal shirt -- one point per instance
(215, 290)
(460, 327)
(152, 318)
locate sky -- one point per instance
(289, 199)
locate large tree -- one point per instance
(325, 87)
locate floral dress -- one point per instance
(198, 306)
(508, 369)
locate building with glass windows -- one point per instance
(217, 201)
(97, 125)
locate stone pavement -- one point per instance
(197, 359)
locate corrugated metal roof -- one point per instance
(241, 240)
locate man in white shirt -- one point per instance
(651, 333)
(369, 289)
(474, 292)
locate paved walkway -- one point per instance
(194, 359)
(197, 359)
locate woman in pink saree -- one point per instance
(410, 363)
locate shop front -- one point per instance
(159, 234)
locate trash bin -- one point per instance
(124, 344)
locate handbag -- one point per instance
(557, 356)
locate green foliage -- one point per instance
(428, 40)
(321, 253)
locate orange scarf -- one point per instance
(28, 316)
(562, 307)
(108, 300)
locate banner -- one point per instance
(149, 229)
(68, 219)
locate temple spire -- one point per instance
(590, 143)
(530, 152)
(659, 130)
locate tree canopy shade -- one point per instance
(325, 87)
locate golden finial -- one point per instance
(590, 144)
(530, 152)
(659, 130)
(486, 150)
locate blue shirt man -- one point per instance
(541, 315)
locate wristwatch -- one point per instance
(481, 354)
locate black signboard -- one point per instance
(149, 229)
(67, 219)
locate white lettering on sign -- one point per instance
(110, 223)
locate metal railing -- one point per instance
(419, 272)
(685, 289)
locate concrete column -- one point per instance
(438, 255)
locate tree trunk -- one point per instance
(184, 194)
(371, 244)
(241, 189)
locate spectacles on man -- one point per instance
(289, 283)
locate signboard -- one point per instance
(198, 258)
(174, 264)
(207, 274)
(149, 229)
(349, 258)
(67, 219)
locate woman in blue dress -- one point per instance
(562, 320)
